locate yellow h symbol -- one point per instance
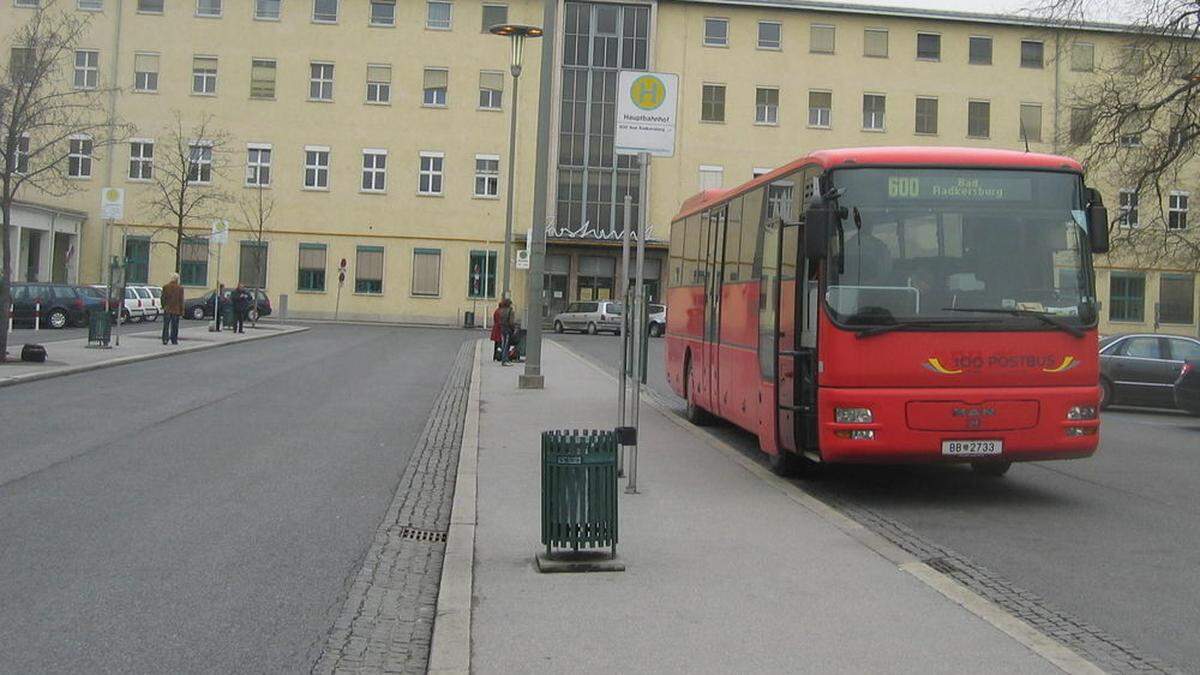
(647, 92)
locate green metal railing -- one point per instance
(579, 490)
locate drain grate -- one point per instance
(417, 534)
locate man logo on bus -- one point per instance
(648, 92)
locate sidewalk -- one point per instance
(726, 571)
(64, 357)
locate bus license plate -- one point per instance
(972, 448)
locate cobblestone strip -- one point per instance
(386, 623)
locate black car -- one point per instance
(1141, 369)
(202, 307)
(1187, 388)
(61, 305)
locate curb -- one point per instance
(124, 360)
(1019, 630)
(450, 648)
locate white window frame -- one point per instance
(375, 173)
(90, 69)
(1128, 202)
(203, 15)
(146, 90)
(768, 47)
(828, 111)
(320, 171)
(83, 158)
(337, 13)
(151, 11)
(262, 17)
(274, 81)
(27, 4)
(714, 41)
(371, 14)
(883, 122)
(320, 81)
(383, 90)
(254, 167)
(201, 162)
(492, 95)
(930, 33)
(711, 169)
(425, 250)
(90, 5)
(445, 90)
(439, 174)
(449, 23)
(22, 156)
(1178, 202)
(765, 114)
(144, 164)
(491, 180)
(204, 77)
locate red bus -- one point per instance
(888, 305)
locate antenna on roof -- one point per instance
(1024, 135)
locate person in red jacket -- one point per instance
(497, 333)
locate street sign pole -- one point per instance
(623, 287)
(112, 209)
(639, 327)
(337, 305)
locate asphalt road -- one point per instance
(1113, 539)
(204, 512)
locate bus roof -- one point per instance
(890, 156)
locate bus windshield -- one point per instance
(972, 246)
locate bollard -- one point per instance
(37, 317)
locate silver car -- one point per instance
(592, 317)
(656, 323)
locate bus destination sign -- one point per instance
(960, 189)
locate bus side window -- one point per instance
(733, 240)
(691, 251)
(752, 214)
(675, 253)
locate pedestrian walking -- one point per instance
(241, 308)
(506, 317)
(172, 303)
(497, 334)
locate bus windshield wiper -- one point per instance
(1048, 319)
(912, 325)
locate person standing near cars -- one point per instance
(241, 307)
(172, 304)
(505, 317)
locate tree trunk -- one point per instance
(6, 274)
(178, 244)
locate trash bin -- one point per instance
(99, 327)
(468, 319)
(579, 490)
(227, 315)
(519, 337)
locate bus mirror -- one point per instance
(818, 223)
(1097, 217)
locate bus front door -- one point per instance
(713, 273)
(791, 290)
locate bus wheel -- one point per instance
(1106, 394)
(783, 463)
(992, 469)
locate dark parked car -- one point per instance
(1141, 369)
(1187, 388)
(61, 305)
(202, 307)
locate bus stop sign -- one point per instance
(646, 113)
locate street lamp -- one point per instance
(516, 33)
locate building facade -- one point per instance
(379, 132)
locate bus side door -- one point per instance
(714, 259)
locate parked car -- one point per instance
(592, 317)
(93, 299)
(1141, 369)
(151, 306)
(657, 322)
(202, 307)
(1187, 387)
(60, 305)
(135, 307)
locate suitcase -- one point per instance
(33, 353)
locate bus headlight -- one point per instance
(1082, 412)
(853, 415)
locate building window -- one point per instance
(141, 159)
(1083, 57)
(875, 42)
(1177, 211)
(21, 66)
(267, 9)
(379, 83)
(874, 109)
(1126, 297)
(929, 46)
(91, 5)
(150, 6)
(311, 273)
(979, 119)
(316, 167)
(200, 162)
(204, 75)
(368, 270)
(22, 155)
(258, 164)
(1081, 125)
(79, 157)
(980, 51)
(208, 8)
(487, 175)
(137, 260)
(596, 277)
(374, 173)
(716, 32)
(1128, 205)
(494, 15)
(821, 38)
(481, 275)
(1032, 54)
(1176, 299)
(927, 115)
(87, 69)
(429, 181)
(820, 109)
(427, 272)
(193, 261)
(766, 105)
(33, 4)
(262, 78)
(325, 11)
(1031, 122)
(491, 89)
(383, 12)
(252, 264)
(438, 15)
(437, 81)
(1131, 131)
(320, 82)
(770, 35)
(711, 177)
(712, 103)
(145, 72)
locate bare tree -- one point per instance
(256, 208)
(185, 188)
(46, 107)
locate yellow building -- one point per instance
(380, 131)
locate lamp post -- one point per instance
(516, 33)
